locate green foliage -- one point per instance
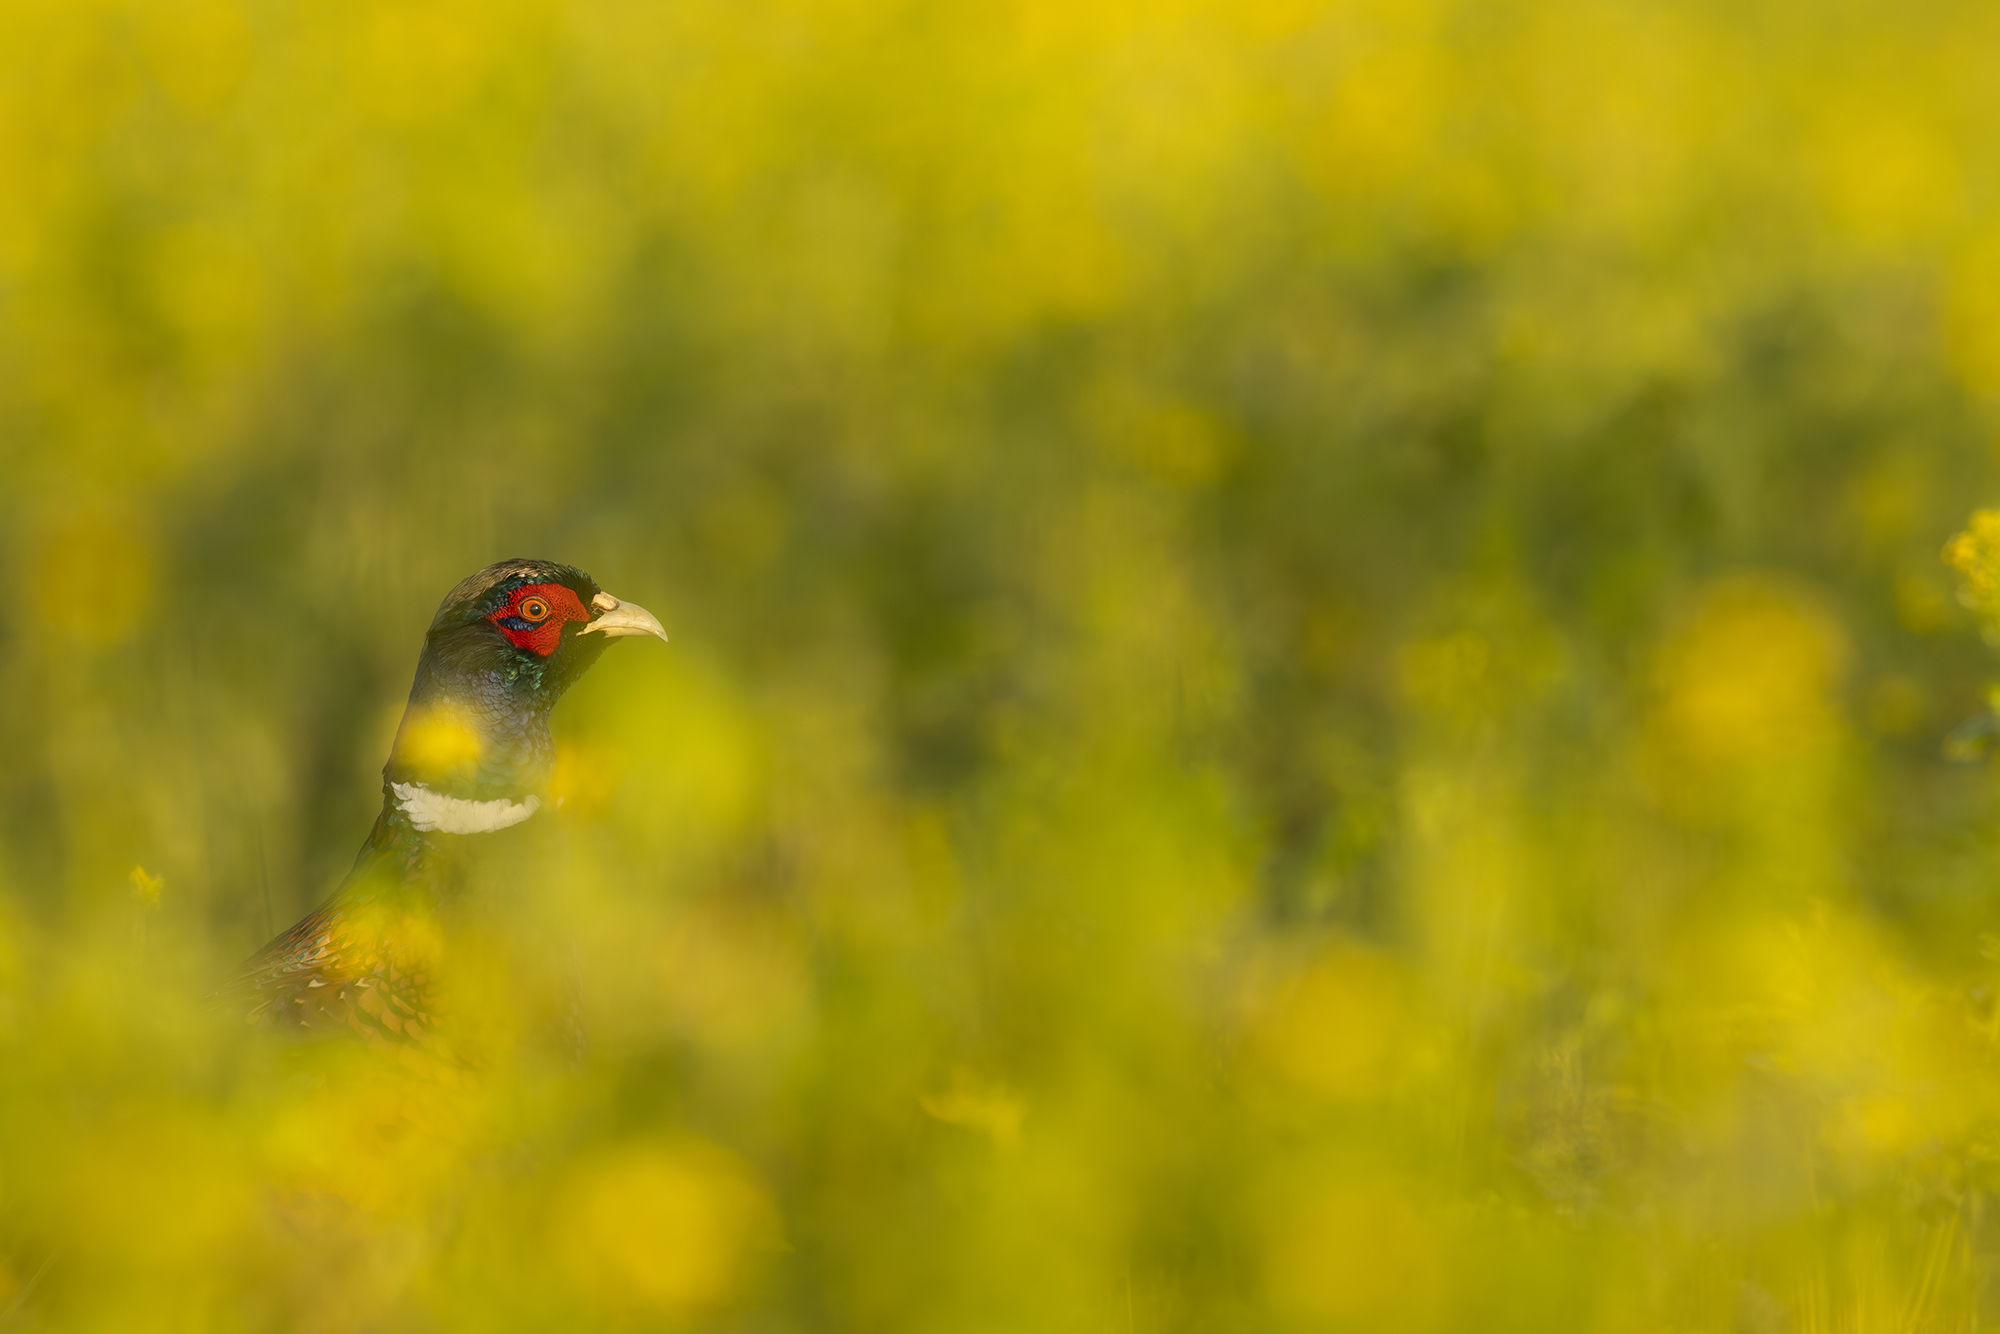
(1308, 672)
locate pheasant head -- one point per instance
(473, 752)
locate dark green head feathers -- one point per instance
(504, 646)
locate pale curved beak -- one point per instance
(622, 618)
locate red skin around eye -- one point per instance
(543, 636)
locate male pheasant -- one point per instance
(472, 755)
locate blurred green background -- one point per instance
(1310, 658)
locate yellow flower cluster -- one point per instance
(1975, 554)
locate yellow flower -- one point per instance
(1975, 554)
(146, 888)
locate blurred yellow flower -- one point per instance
(1975, 554)
(672, 1226)
(437, 740)
(979, 1105)
(1341, 1027)
(1356, 1248)
(146, 888)
(92, 575)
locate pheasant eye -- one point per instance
(533, 609)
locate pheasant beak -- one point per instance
(622, 618)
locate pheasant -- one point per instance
(472, 755)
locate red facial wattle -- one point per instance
(534, 615)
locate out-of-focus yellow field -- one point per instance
(1310, 683)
